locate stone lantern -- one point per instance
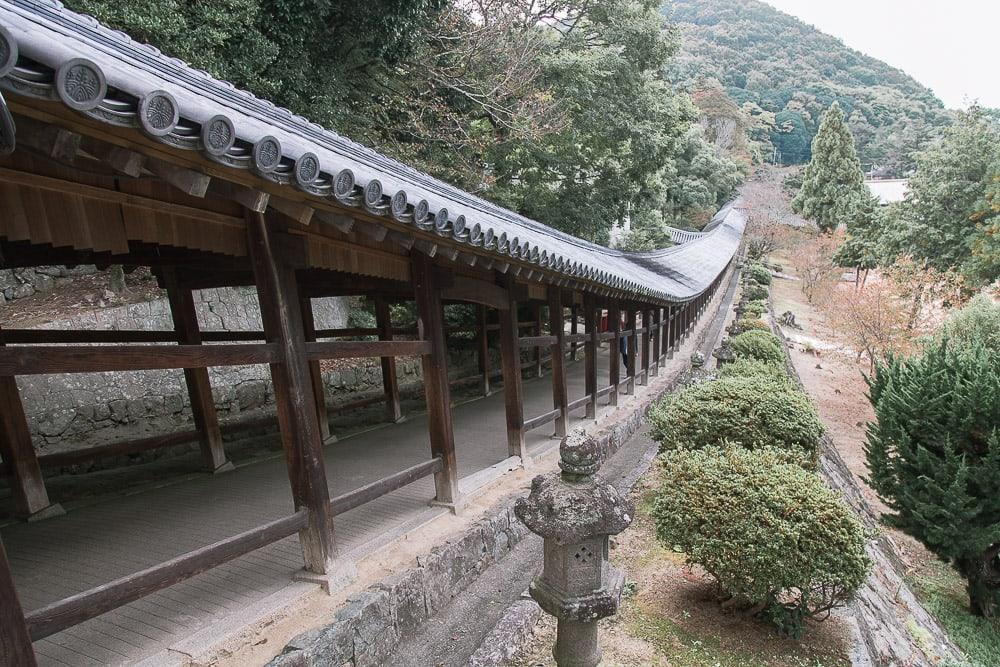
(576, 511)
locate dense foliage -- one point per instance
(758, 273)
(770, 532)
(754, 368)
(751, 411)
(833, 186)
(951, 216)
(558, 110)
(755, 291)
(772, 63)
(934, 449)
(758, 344)
(748, 323)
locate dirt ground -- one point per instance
(671, 615)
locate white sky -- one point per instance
(950, 46)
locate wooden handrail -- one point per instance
(541, 420)
(78, 608)
(39, 360)
(536, 341)
(368, 492)
(354, 349)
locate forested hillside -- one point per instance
(784, 73)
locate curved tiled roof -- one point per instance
(50, 52)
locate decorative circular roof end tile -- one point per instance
(373, 192)
(421, 212)
(218, 135)
(158, 113)
(398, 204)
(267, 154)
(8, 51)
(343, 184)
(80, 84)
(441, 220)
(476, 234)
(458, 227)
(307, 169)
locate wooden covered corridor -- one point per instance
(115, 154)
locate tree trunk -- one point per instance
(982, 577)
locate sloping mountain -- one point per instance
(771, 63)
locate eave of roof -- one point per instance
(108, 76)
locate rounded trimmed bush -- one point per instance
(760, 345)
(753, 412)
(754, 368)
(754, 308)
(754, 292)
(748, 323)
(758, 273)
(772, 534)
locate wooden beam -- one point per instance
(188, 181)
(430, 312)
(536, 342)
(31, 499)
(536, 311)
(473, 290)
(15, 639)
(249, 198)
(52, 141)
(574, 315)
(646, 322)
(542, 419)
(78, 608)
(300, 434)
(342, 223)
(300, 212)
(315, 372)
(199, 387)
(657, 339)
(372, 230)
(390, 381)
(120, 159)
(510, 357)
(360, 349)
(41, 360)
(590, 347)
(557, 327)
(632, 350)
(377, 489)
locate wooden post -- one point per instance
(536, 311)
(27, 486)
(199, 387)
(510, 358)
(673, 322)
(557, 328)
(647, 321)
(590, 349)
(657, 337)
(430, 312)
(615, 321)
(277, 290)
(483, 347)
(632, 349)
(315, 371)
(390, 381)
(15, 642)
(574, 315)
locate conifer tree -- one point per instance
(832, 184)
(934, 449)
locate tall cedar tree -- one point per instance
(833, 185)
(934, 449)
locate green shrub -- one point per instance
(760, 345)
(754, 308)
(754, 368)
(755, 292)
(977, 322)
(758, 273)
(753, 412)
(934, 456)
(771, 533)
(748, 323)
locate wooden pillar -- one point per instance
(536, 311)
(615, 322)
(647, 321)
(557, 328)
(673, 322)
(430, 313)
(574, 314)
(315, 372)
(657, 338)
(199, 387)
(632, 349)
(15, 642)
(27, 486)
(483, 347)
(590, 350)
(390, 381)
(510, 360)
(277, 290)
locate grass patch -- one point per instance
(942, 591)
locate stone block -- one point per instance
(406, 592)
